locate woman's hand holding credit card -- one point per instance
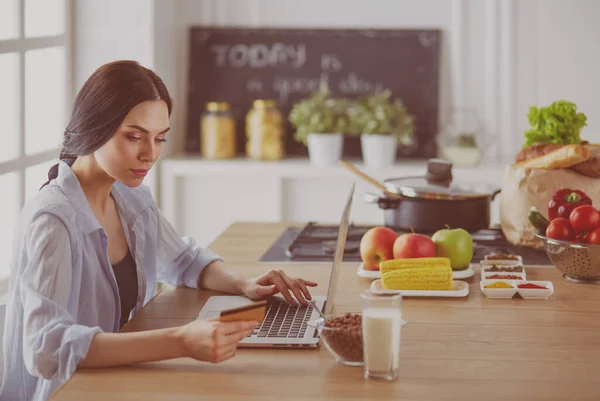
(217, 340)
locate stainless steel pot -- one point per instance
(429, 203)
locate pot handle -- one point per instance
(383, 202)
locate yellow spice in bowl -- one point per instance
(498, 284)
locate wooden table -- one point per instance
(465, 349)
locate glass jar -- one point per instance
(464, 140)
(217, 132)
(265, 131)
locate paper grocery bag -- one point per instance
(523, 188)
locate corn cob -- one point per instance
(418, 278)
(394, 264)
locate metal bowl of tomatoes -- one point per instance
(579, 262)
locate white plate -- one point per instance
(531, 293)
(459, 274)
(468, 272)
(367, 273)
(459, 289)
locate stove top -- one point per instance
(316, 243)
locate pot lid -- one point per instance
(437, 184)
(422, 187)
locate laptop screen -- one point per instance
(339, 252)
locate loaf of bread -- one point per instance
(590, 167)
(564, 157)
(536, 150)
(584, 158)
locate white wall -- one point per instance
(2, 320)
(559, 56)
(111, 30)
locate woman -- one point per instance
(92, 244)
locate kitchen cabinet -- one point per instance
(202, 197)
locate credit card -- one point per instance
(253, 312)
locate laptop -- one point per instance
(286, 325)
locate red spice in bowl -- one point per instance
(532, 286)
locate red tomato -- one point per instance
(584, 218)
(594, 237)
(560, 229)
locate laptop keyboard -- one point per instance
(283, 320)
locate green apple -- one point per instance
(455, 244)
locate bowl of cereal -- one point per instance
(342, 337)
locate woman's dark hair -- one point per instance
(101, 105)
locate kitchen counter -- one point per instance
(467, 349)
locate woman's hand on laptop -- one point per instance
(276, 281)
(213, 341)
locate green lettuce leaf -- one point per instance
(558, 123)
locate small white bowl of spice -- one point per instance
(498, 289)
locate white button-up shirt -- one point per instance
(63, 289)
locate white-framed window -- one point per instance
(35, 99)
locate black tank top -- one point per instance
(126, 276)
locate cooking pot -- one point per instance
(431, 202)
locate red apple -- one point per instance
(414, 246)
(376, 245)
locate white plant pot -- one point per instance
(325, 149)
(378, 150)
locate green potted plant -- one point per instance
(321, 121)
(382, 123)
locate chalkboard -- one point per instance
(239, 65)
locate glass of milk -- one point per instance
(381, 327)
